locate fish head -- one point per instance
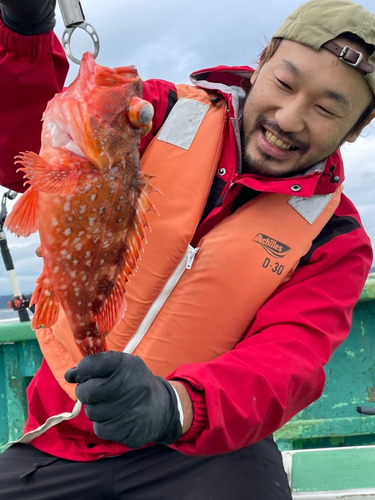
(100, 117)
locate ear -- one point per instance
(354, 135)
(254, 76)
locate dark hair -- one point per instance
(274, 44)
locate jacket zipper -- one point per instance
(185, 263)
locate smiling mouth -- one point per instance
(275, 141)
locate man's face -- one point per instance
(301, 107)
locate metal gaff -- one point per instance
(73, 17)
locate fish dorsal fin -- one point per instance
(114, 306)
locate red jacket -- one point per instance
(277, 370)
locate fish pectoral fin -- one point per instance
(23, 219)
(47, 304)
(45, 177)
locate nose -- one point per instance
(290, 115)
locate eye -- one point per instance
(326, 111)
(283, 84)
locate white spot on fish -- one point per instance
(88, 254)
(55, 222)
(56, 269)
(79, 303)
(119, 220)
(70, 218)
(68, 231)
(69, 196)
(91, 221)
(75, 262)
(86, 188)
(101, 210)
(47, 292)
(82, 209)
(73, 274)
(89, 263)
(89, 304)
(78, 246)
(84, 277)
(118, 208)
(93, 197)
(101, 262)
(64, 287)
(67, 207)
(96, 230)
(81, 233)
(99, 186)
(63, 253)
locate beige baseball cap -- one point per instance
(317, 22)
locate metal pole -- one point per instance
(8, 261)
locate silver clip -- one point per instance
(73, 17)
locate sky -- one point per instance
(170, 40)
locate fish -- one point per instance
(88, 200)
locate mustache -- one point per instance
(289, 137)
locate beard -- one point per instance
(262, 164)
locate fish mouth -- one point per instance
(60, 138)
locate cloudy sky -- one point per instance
(169, 40)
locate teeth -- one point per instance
(275, 141)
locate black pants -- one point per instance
(157, 473)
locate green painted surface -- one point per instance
(14, 331)
(368, 292)
(20, 357)
(332, 420)
(329, 470)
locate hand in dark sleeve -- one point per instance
(126, 402)
(29, 17)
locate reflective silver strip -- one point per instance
(50, 422)
(183, 122)
(185, 263)
(310, 208)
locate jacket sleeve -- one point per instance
(277, 370)
(33, 68)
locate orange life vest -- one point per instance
(187, 305)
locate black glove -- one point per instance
(29, 17)
(126, 402)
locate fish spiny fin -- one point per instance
(114, 306)
(23, 219)
(45, 177)
(47, 305)
(112, 310)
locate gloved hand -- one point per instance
(29, 17)
(126, 402)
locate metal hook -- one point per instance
(73, 17)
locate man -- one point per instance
(240, 344)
